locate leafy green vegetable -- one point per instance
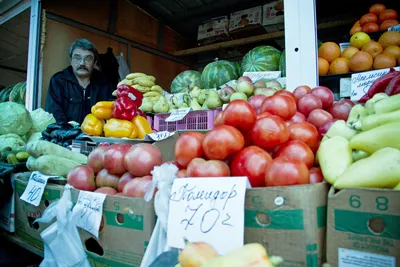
(11, 140)
(14, 118)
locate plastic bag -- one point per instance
(123, 69)
(163, 178)
(62, 235)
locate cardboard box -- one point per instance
(7, 213)
(273, 16)
(289, 222)
(213, 30)
(245, 18)
(26, 214)
(363, 227)
(124, 233)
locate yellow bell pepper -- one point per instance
(142, 125)
(397, 187)
(102, 110)
(120, 128)
(92, 125)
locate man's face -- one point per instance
(82, 62)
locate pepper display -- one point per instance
(124, 108)
(102, 110)
(120, 128)
(388, 83)
(142, 125)
(124, 90)
(92, 125)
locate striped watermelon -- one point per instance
(184, 80)
(261, 58)
(218, 73)
(282, 63)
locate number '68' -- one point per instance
(382, 203)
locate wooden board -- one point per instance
(59, 37)
(172, 41)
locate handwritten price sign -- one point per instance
(178, 114)
(34, 190)
(87, 212)
(158, 136)
(209, 210)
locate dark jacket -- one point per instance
(67, 100)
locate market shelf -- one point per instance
(253, 39)
(14, 239)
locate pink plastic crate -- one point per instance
(194, 120)
(150, 120)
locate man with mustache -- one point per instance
(73, 91)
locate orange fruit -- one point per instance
(393, 50)
(349, 52)
(370, 27)
(323, 66)
(329, 51)
(367, 18)
(377, 9)
(361, 61)
(389, 38)
(356, 28)
(388, 14)
(388, 23)
(384, 61)
(373, 48)
(339, 66)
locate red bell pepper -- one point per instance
(124, 108)
(128, 91)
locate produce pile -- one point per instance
(388, 84)
(123, 117)
(13, 157)
(61, 134)
(14, 93)
(118, 169)
(379, 18)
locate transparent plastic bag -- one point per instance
(123, 69)
(62, 235)
(163, 178)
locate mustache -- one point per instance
(82, 68)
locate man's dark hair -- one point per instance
(85, 45)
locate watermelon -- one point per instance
(282, 63)
(261, 58)
(15, 95)
(218, 73)
(184, 80)
(5, 94)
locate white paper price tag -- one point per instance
(34, 190)
(158, 136)
(178, 114)
(88, 211)
(360, 82)
(395, 28)
(209, 210)
(263, 75)
(343, 46)
(345, 87)
(224, 106)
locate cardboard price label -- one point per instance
(34, 190)
(158, 136)
(88, 211)
(178, 114)
(204, 209)
(395, 28)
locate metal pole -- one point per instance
(32, 91)
(301, 43)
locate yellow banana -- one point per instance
(157, 88)
(132, 76)
(150, 94)
(122, 82)
(151, 78)
(155, 98)
(128, 82)
(143, 82)
(142, 89)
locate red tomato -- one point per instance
(138, 187)
(325, 127)
(104, 178)
(199, 167)
(316, 175)
(106, 190)
(95, 159)
(218, 119)
(222, 141)
(286, 93)
(298, 151)
(187, 147)
(240, 114)
(283, 172)
(182, 173)
(82, 178)
(341, 109)
(252, 162)
(256, 101)
(263, 114)
(319, 117)
(305, 132)
(142, 158)
(124, 180)
(298, 117)
(279, 105)
(269, 131)
(113, 158)
(308, 103)
(325, 95)
(247, 138)
(301, 91)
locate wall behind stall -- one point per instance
(8, 77)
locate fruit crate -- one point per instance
(150, 120)
(194, 120)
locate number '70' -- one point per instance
(382, 203)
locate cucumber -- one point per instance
(12, 159)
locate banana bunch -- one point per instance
(142, 82)
(152, 99)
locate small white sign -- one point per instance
(343, 46)
(178, 114)
(263, 75)
(355, 258)
(345, 87)
(395, 28)
(360, 82)
(224, 106)
(209, 210)
(158, 136)
(88, 211)
(34, 190)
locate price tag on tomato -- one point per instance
(209, 210)
(178, 114)
(34, 190)
(88, 211)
